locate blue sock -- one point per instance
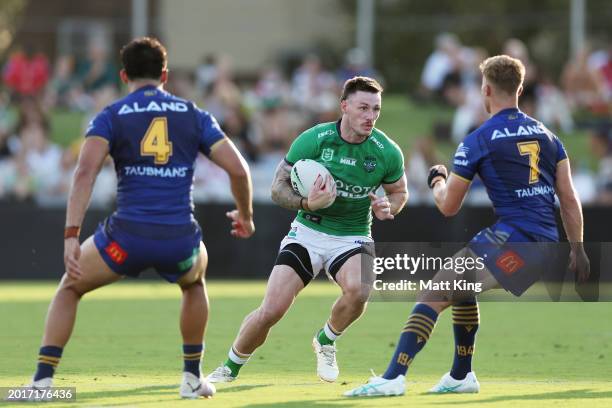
(48, 359)
(419, 326)
(466, 320)
(192, 353)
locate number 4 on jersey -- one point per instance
(155, 142)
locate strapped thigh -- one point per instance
(341, 259)
(296, 256)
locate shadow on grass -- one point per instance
(127, 392)
(345, 402)
(561, 395)
(300, 404)
(238, 388)
(160, 390)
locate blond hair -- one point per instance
(504, 73)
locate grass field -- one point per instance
(126, 350)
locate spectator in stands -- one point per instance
(516, 48)
(26, 73)
(601, 145)
(469, 62)
(312, 85)
(584, 86)
(272, 88)
(443, 61)
(7, 124)
(423, 155)
(226, 103)
(469, 112)
(180, 83)
(273, 128)
(16, 176)
(62, 91)
(206, 74)
(601, 61)
(271, 121)
(356, 64)
(210, 182)
(552, 107)
(225, 95)
(7, 165)
(39, 160)
(97, 70)
(104, 191)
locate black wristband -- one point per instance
(433, 173)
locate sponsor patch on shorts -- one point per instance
(116, 253)
(509, 262)
(186, 264)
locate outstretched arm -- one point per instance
(226, 156)
(90, 162)
(448, 194)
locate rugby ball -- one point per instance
(304, 173)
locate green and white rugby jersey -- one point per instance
(358, 168)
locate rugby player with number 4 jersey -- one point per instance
(153, 138)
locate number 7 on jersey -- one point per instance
(155, 141)
(531, 149)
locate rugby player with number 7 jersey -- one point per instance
(523, 165)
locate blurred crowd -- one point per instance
(579, 100)
(265, 112)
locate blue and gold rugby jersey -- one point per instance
(516, 157)
(154, 138)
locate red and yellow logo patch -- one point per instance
(116, 253)
(509, 262)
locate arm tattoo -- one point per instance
(282, 192)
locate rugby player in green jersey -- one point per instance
(331, 225)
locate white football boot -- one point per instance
(40, 385)
(448, 384)
(379, 387)
(327, 367)
(194, 387)
(221, 374)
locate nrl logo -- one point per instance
(369, 164)
(327, 154)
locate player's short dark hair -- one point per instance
(504, 72)
(360, 83)
(144, 58)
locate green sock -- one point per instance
(323, 339)
(235, 361)
(327, 336)
(234, 367)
